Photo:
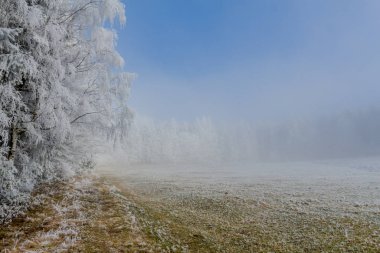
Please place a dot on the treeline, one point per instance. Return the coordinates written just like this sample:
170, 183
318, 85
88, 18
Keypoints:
149, 141
349, 134
61, 89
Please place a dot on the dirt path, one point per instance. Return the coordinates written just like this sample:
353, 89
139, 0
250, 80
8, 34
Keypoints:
85, 215
111, 215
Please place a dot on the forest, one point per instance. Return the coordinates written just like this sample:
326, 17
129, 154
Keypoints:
62, 89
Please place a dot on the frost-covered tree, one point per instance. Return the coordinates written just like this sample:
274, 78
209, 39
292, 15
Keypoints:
150, 141
59, 88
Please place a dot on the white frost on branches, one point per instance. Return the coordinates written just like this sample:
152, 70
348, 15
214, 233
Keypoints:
61, 88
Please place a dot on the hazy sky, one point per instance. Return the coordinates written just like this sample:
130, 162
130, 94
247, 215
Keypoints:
247, 59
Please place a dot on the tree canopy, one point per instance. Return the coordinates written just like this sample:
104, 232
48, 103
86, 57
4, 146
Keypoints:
62, 86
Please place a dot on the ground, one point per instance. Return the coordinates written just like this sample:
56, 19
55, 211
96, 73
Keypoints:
148, 209
85, 215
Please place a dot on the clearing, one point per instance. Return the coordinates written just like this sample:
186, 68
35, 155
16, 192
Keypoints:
323, 206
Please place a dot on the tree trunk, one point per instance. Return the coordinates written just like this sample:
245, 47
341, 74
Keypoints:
12, 142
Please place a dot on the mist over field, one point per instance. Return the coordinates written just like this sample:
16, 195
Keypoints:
189, 126
338, 136
252, 81
296, 185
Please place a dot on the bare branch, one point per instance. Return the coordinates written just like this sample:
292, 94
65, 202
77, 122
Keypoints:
83, 115
84, 7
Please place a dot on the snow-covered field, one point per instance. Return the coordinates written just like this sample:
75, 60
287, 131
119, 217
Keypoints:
296, 206
320, 206
345, 181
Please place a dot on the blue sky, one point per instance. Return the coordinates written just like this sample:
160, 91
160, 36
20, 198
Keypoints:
251, 60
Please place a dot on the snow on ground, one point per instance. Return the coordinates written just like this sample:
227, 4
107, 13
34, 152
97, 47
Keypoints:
321, 206
52, 222
85, 214
318, 206
349, 181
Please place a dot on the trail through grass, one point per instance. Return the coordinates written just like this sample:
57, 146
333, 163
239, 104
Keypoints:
91, 214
